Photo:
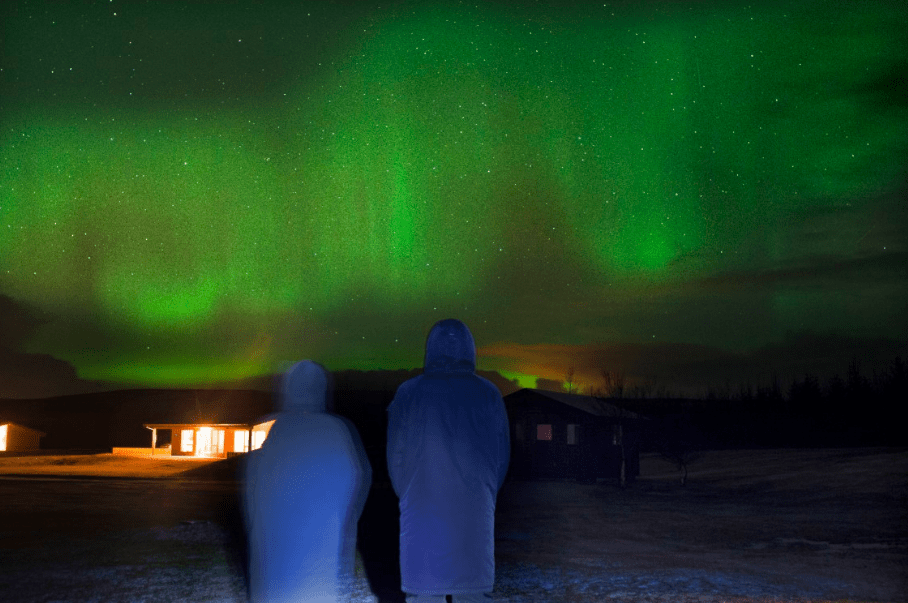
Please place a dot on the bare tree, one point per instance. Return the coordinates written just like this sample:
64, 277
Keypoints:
679, 441
613, 383
642, 389
594, 392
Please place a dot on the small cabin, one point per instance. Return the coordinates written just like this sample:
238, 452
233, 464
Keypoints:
561, 435
18, 438
210, 440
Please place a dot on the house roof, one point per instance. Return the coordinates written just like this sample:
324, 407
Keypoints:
599, 407
248, 425
201, 424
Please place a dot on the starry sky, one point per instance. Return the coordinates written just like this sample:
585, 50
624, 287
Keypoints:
690, 194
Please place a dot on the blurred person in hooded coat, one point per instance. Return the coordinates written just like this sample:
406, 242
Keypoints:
448, 453
305, 490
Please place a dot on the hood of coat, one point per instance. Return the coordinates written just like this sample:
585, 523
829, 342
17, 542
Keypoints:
450, 348
306, 386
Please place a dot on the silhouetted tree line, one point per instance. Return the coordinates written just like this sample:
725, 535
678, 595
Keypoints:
854, 410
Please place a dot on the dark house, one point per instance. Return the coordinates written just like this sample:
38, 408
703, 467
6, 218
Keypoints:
558, 435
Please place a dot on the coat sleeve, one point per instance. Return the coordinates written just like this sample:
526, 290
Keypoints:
358, 452
504, 442
248, 477
396, 442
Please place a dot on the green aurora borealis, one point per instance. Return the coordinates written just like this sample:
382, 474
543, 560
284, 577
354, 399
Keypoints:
193, 193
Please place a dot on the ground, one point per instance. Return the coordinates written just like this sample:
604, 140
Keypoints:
770, 525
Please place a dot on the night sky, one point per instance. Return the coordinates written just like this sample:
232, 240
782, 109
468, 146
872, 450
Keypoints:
689, 193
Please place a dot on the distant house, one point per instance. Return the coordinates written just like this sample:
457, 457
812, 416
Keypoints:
557, 435
210, 439
16, 438
196, 423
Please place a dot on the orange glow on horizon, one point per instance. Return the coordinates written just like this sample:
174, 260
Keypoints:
533, 361
587, 361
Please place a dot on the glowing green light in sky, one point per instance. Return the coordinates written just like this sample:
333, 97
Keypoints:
489, 163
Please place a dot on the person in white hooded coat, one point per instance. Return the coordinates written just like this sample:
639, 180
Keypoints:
448, 453
304, 491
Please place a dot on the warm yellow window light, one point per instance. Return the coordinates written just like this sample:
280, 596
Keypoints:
203, 441
186, 437
241, 440
3, 430
259, 433
209, 441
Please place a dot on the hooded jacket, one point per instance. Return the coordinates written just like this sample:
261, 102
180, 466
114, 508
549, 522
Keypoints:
304, 491
448, 452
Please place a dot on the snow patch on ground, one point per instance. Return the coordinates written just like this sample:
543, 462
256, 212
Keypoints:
759, 526
526, 583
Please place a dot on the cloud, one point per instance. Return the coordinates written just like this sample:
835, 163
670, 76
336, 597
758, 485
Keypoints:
883, 267
25, 375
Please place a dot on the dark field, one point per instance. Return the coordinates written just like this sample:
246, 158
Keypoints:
772, 525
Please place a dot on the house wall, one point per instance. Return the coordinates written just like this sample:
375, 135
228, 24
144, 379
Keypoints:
19, 438
531, 457
230, 444
237, 438
595, 455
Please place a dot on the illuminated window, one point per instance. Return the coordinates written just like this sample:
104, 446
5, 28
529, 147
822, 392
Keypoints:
571, 433
241, 440
186, 440
544, 431
259, 433
220, 433
3, 429
203, 442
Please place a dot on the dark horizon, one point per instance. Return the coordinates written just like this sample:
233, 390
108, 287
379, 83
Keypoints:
844, 412
855, 382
